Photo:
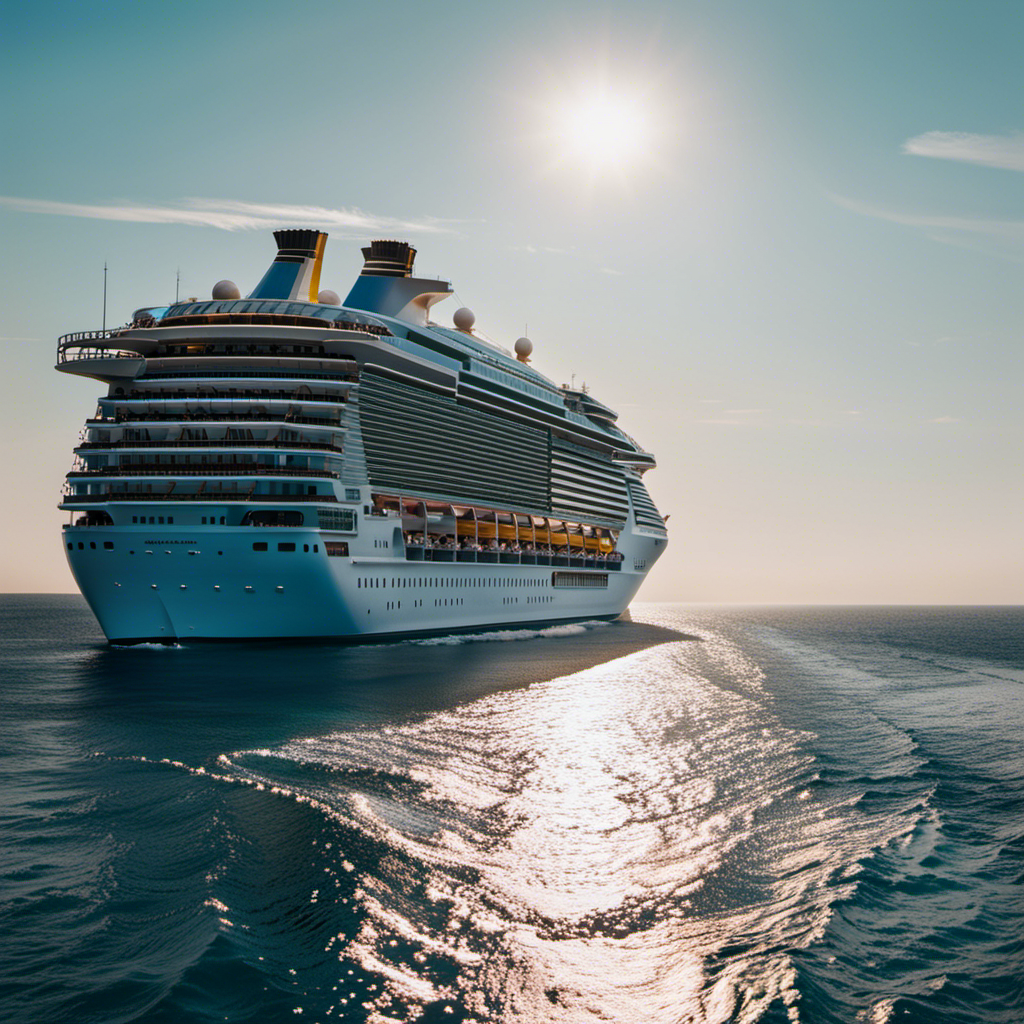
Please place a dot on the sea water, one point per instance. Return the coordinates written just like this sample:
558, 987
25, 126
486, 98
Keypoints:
702, 815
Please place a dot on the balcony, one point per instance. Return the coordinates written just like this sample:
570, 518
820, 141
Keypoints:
88, 446
211, 394
218, 469
130, 416
430, 553
93, 354
72, 501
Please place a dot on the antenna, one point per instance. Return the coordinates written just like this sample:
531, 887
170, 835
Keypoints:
104, 296
177, 286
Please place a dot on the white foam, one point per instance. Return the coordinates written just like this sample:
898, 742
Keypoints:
507, 635
148, 647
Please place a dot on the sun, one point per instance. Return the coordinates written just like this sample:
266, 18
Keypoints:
603, 129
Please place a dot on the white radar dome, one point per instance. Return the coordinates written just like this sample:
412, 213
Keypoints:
464, 319
524, 348
329, 298
226, 290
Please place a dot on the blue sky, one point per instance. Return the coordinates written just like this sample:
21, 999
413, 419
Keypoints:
804, 294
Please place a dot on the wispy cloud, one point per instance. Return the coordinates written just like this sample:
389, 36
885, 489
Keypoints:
1003, 238
1012, 230
229, 215
1005, 151
533, 250
945, 419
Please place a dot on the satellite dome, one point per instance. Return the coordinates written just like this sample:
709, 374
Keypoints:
523, 347
464, 319
226, 290
329, 298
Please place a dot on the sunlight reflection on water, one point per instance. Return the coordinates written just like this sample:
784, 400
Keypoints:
590, 846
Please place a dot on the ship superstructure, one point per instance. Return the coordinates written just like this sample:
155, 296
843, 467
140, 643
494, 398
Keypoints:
287, 465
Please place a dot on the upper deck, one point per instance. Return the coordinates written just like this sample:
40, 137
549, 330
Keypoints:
268, 336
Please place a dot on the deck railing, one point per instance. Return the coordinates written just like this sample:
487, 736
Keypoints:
78, 354
233, 442
72, 500
226, 469
203, 417
253, 395
423, 553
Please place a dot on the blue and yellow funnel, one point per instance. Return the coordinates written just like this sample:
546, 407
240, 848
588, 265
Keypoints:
295, 272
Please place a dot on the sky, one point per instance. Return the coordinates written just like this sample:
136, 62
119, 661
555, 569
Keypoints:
785, 241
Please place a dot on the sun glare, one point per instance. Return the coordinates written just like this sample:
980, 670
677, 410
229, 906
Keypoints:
603, 130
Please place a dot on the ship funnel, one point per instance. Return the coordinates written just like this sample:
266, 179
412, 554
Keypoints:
295, 272
383, 258
385, 284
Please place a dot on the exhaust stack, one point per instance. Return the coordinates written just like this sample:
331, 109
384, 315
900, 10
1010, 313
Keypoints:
386, 285
295, 272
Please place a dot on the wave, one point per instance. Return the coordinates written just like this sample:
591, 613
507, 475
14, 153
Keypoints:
507, 635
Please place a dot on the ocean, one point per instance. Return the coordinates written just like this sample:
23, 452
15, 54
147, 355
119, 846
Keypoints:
701, 815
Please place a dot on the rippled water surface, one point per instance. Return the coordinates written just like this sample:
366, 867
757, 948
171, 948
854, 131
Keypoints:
703, 815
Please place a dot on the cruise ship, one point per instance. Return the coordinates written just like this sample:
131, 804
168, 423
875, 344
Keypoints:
291, 466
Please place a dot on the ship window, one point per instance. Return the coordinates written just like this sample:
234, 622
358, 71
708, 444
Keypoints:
316, 547
108, 545
286, 546
259, 545
161, 519
81, 546
170, 519
221, 520
337, 519
92, 544
305, 547
152, 519
204, 520
71, 547
135, 519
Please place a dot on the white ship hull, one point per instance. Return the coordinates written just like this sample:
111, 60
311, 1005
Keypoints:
178, 585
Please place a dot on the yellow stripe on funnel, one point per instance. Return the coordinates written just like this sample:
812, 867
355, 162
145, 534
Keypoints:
318, 259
